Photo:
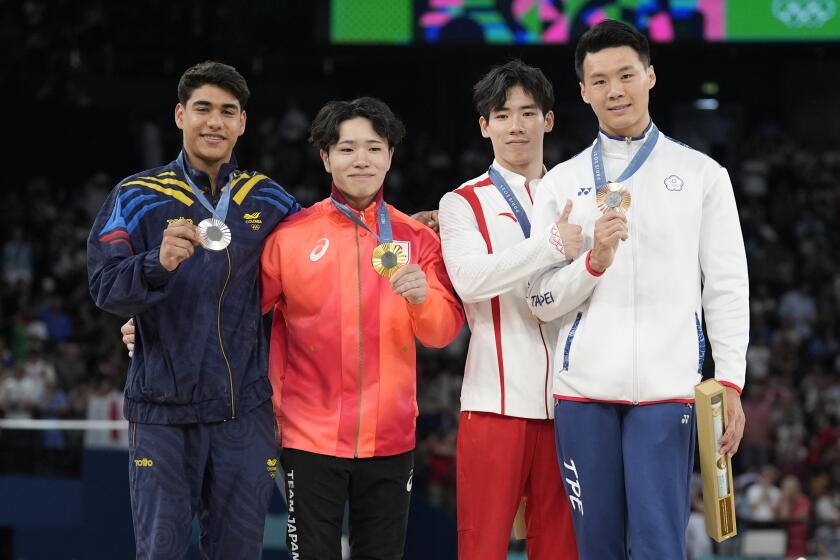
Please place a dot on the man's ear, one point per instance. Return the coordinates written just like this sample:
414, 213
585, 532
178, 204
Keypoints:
583, 93
179, 116
482, 124
325, 157
549, 121
651, 76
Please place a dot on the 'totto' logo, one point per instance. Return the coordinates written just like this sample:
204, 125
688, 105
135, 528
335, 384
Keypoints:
320, 249
674, 183
144, 462
271, 467
253, 220
173, 220
583, 191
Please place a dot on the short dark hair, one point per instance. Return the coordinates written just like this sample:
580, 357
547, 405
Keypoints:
324, 131
491, 91
608, 34
216, 74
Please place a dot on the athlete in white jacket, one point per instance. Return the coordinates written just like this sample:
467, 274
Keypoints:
631, 308
506, 444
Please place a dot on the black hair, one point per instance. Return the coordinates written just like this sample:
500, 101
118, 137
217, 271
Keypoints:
608, 34
213, 73
324, 131
491, 91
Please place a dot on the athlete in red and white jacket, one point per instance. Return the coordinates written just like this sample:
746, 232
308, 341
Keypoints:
506, 445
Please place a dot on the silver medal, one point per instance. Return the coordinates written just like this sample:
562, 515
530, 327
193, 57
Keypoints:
215, 234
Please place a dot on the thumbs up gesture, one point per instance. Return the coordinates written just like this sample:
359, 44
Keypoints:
566, 237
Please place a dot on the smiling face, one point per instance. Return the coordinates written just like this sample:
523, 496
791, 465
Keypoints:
517, 130
617, 85
212, 121
358, 161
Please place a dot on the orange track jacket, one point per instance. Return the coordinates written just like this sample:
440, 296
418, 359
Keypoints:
342, 360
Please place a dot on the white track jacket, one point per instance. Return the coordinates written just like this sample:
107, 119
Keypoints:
633, 335
489, 262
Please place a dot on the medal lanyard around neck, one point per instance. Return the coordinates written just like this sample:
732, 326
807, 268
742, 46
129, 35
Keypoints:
513, 202
636, 163
385, 235
221, 209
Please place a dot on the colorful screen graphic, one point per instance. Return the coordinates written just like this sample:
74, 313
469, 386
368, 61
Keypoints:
562, 21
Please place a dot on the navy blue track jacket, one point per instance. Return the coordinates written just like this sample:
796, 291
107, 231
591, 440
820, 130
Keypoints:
200, 354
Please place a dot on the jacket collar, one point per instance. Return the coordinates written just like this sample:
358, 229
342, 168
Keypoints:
202, 180
369, 212
606, 136
513, 178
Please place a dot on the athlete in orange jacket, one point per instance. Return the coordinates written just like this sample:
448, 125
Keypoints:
342, 359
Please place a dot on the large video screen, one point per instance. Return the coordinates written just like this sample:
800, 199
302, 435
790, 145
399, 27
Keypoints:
562, 21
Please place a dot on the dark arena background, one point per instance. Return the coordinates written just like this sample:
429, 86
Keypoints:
88, 92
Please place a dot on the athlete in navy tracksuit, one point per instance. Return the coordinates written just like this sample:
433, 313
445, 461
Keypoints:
202, 433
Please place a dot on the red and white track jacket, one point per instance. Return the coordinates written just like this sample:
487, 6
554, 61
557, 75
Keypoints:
489, 262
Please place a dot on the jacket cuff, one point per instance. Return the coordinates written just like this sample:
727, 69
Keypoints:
590, 269
730, 385
156, 276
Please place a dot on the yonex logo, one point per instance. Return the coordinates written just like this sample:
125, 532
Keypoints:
410, 480
583, 191
320, 249
685, 418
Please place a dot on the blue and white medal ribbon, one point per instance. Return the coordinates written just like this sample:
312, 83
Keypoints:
388, 257
521, 217
613, 195
215, 234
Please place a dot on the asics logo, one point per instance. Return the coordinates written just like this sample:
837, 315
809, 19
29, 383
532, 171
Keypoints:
320, 249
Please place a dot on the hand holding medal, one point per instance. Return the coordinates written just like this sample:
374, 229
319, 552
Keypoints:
179, 242
410, 282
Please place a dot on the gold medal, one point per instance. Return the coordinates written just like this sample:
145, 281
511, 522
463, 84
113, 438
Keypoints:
613, 196
388, 258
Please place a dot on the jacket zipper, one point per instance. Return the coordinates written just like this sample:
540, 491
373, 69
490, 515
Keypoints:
633, 291
547, 371
221, 341
359, 276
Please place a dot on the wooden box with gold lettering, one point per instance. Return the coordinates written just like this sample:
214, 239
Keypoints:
715, 469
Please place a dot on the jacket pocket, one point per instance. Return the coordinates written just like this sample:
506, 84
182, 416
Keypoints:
567, 349
701, 343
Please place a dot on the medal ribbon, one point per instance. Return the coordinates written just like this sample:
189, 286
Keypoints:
385, 235
221, 209
513, 202
637, 161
